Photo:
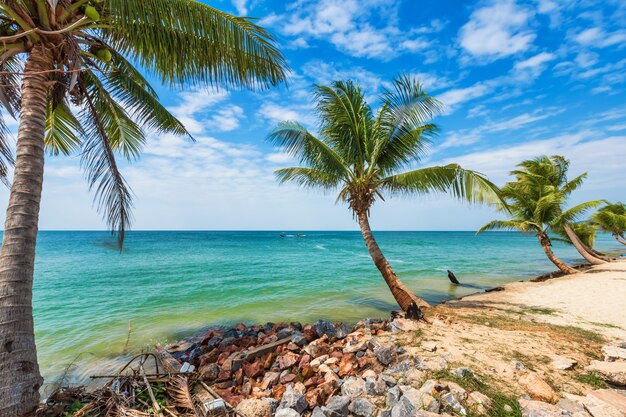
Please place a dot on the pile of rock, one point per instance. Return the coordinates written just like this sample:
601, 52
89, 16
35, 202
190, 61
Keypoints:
613, 367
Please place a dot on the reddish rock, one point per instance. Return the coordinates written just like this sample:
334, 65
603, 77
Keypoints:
327, 388
292, 347
253, 370
224, 375
336, 354
222, 357
278, 391
347, 365
299, 387
267, 360
287, 360
246, 389
269, 380
238, 377
240, 326
287, 378
311, 382
315, 398
305, 360
209, 372
309, 332
307, 372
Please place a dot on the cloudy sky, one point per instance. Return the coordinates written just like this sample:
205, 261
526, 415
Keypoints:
518, 78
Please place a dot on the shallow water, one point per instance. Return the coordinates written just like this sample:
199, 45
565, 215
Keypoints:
170, 284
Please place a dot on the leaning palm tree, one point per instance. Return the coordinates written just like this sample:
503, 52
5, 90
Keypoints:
363, 155
612, 219
68, 69
535, 204
586, 234
552, 172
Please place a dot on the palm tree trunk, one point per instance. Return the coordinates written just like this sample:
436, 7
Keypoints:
595, 253
616, 236
546, 244
20, 379
573, 237
403, 295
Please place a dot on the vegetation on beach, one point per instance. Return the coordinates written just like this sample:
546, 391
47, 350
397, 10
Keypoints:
67, 69
612, 219
535, 202
364, 155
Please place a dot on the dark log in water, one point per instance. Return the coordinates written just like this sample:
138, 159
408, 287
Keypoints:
452, 278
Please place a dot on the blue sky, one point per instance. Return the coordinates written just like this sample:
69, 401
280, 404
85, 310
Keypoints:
518, 78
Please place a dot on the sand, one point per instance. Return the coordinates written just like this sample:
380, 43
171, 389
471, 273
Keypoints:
595, 299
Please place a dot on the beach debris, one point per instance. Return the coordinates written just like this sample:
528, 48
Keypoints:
453, 278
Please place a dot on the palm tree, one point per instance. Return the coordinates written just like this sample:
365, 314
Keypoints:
362, 155
535, 203
67, 67
612, 219
586, 234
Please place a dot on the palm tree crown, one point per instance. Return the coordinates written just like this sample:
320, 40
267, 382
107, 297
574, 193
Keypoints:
99, 104
611, 219
363, 155
536, 199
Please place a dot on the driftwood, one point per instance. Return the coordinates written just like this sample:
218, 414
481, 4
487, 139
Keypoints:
452, 278
257, 352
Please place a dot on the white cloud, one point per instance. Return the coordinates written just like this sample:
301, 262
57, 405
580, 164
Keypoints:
276, 113
279, 158
194, 111
597, 37
535, 61
349, 26
241, 6
497, 30
456, 96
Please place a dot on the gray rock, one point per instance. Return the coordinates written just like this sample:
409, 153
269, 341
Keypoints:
389, 380
450, 400
401, 367
614, 353
393, 396
272, 402
294, 400
342, 330
317, 412
353, 387
324, 327
299, 339
362, 408
419, 400
375, 386
385, 353
286, 412
385, 413
337, 406
286, 332
463, 372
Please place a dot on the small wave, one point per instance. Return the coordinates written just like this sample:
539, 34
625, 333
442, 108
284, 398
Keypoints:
320, 247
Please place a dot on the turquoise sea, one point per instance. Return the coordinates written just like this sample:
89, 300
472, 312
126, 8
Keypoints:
168, 285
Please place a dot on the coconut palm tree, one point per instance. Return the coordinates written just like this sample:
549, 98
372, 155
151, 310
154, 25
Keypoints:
586, 234
69, 69
552, 172
612, 219
364, 155
535, 203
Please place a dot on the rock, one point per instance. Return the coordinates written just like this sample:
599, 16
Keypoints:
450, 400
299, 339
614, 372
463, 372
254, 408
571, 406
315, 398
287, 360
253, 370
611, 397
342, 330
283, 333
429, 346
317, 412
375, 386
393, 396
562, 363
401, 325
269, 380
479, 402
347, 365
389, 380
413, 377
362, 408
538, 409
385, 353
614, 353
293, 399
337, 406
323, 327
286, 412
353, 387
318, 347
419, 400
209, 372
458, 391
537, 388
356, 346
368, 374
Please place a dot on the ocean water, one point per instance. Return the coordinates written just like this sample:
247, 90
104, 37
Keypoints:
168, 285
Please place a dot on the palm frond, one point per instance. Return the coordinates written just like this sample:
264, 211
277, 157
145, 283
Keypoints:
307, 177
180, 392
512, 225
298, 142
463, 184
62, 130
573, 214
188, 42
